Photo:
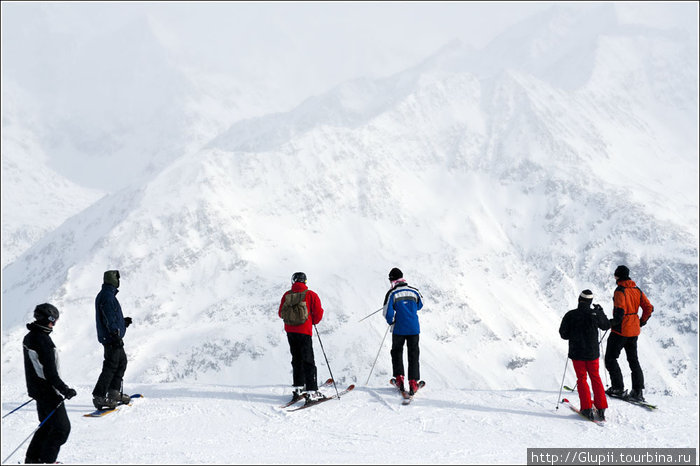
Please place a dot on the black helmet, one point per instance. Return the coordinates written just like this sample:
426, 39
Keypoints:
45, 313
395, 274
299, 277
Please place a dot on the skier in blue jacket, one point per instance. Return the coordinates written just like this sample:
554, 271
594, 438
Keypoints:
111, 328
401, 306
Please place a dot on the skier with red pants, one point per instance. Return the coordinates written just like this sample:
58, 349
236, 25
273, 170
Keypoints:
580, 326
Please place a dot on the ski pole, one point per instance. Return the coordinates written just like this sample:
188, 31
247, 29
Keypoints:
329, 366
380, 350
605, 370
371, 314
38, 427
18, 407
562, 381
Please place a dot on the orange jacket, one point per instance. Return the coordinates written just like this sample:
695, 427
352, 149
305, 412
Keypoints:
627, 300
313, 304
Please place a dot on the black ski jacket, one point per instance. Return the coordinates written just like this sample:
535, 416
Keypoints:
580, 326
41, 365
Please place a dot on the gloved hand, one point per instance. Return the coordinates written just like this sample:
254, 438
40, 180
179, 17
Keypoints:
642, 323
115, 339
69, 393
127, 321
597, 307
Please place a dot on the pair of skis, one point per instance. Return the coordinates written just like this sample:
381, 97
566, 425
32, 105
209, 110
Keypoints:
308, 403
407, 397
103, 412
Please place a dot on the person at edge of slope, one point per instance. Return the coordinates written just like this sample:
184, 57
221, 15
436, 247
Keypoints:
45, 385
301, 309
111, 328
624, 333
580, 326
401, 306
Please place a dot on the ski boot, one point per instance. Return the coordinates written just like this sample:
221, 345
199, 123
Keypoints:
118, 398
616, 392
636, 395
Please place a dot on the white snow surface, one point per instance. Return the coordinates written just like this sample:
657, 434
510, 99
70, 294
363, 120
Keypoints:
231, 423
502, 181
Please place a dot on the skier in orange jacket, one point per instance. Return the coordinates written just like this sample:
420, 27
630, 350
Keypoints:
625, 330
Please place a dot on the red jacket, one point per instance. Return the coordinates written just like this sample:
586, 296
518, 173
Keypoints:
627, 300
313, 304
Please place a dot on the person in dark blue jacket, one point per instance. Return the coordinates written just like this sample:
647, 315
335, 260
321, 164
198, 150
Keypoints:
45, 385
111, 328
401, 306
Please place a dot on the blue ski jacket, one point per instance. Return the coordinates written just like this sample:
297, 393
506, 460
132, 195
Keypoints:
401, 306
108, 314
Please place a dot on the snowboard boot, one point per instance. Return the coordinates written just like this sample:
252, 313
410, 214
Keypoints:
588, 413
101, 402
636, 395
119, 398
399, 383
618, 392
412, 387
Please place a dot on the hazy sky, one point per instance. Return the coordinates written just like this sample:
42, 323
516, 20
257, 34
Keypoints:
341, 40
336, 40
68, 62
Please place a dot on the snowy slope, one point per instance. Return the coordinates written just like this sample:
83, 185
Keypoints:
241, 424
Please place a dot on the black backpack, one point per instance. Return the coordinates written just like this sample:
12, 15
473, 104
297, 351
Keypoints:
294, 311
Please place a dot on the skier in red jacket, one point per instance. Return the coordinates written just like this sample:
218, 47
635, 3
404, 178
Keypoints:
299, 337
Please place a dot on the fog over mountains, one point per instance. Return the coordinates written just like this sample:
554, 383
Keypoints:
502, 181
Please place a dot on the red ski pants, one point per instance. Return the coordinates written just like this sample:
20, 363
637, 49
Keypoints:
584, 392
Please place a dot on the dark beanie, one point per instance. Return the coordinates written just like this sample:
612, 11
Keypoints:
622, 272
395, 274
586, 295
111, 277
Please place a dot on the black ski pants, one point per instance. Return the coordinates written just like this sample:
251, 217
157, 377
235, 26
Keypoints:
613, 349
397, 342
303, 364
113, 369
47, 441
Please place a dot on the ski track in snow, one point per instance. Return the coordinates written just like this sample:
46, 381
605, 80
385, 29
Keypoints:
199, 424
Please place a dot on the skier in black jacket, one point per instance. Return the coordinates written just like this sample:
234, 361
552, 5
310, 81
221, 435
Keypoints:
580, 326
44, 384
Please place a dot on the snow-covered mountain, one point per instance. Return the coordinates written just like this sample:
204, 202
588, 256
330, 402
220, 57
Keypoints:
93, 115
35, 199
501, 181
